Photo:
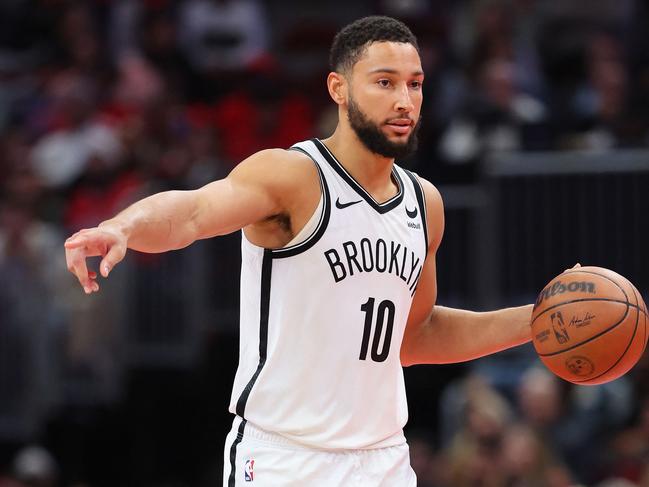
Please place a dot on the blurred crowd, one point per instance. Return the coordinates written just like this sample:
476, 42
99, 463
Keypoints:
543, 432
105, 101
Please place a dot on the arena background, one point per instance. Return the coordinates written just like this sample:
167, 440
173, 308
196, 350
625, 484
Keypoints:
535, 129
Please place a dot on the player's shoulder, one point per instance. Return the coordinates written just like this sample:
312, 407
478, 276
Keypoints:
280, 163
277, 165
431, 194
284, 157
434, 211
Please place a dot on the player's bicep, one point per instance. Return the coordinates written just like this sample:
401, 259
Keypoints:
249, 194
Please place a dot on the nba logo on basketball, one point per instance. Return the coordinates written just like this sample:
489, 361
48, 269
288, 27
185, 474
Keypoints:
248, 471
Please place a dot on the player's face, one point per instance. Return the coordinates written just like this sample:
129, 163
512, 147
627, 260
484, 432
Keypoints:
385, 98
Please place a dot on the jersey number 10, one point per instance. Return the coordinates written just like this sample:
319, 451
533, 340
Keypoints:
384, 307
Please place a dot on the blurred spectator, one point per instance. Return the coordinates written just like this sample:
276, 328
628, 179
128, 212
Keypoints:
31, 310
270, 113
207, 164
573, 421
159, 43
497, 117
221, 39
59, 158
100, 192
487, 30
14, 157
160, 123
223, 34
137, 82
144, 37
474, 455
630, 449
24, 237
427, 463
617, 482
34, 466
602, 102
527, 461
81, 47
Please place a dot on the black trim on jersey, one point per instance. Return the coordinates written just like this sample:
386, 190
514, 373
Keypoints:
232, 479
421, 200
322, 224
266, 270
349, 179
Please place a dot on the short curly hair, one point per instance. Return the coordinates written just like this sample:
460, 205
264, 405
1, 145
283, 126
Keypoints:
351, 41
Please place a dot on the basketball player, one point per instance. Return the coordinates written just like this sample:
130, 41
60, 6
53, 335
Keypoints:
337, 240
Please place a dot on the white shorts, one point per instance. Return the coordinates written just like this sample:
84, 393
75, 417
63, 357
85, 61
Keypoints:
256, 458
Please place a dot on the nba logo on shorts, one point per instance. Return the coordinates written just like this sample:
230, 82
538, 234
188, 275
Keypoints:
248, 471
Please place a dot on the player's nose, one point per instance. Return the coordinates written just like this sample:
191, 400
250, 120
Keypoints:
404, 101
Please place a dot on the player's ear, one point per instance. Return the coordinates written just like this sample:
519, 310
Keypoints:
337, 85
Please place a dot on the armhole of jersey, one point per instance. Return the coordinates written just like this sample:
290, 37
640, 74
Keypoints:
421, 201
308, 242
309, 227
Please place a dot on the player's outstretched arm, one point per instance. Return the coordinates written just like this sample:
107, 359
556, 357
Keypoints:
255, 190
436, 334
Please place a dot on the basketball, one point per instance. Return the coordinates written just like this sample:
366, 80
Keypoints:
589, 325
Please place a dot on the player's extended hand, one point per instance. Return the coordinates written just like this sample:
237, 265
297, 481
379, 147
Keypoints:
104, 241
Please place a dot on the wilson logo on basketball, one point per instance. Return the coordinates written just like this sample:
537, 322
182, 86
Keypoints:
559, 288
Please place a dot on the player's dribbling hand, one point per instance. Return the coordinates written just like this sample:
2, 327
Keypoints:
104, 241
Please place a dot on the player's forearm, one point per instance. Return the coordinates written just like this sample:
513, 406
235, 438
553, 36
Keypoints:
453, 335
158, 223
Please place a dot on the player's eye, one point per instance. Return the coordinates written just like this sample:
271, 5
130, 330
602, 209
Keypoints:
415, 84
384, 83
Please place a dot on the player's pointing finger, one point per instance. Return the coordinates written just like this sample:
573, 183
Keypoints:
76, 241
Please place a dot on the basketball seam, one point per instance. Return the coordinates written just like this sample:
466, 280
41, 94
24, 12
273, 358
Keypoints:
644, 347
628, 304
626, 313
644, 323
635, 330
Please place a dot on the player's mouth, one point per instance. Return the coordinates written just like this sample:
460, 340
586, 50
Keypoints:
401, 126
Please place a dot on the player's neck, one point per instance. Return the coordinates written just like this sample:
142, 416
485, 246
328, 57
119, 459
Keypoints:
371, 170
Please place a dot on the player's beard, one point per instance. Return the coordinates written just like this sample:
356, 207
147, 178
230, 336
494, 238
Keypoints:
374, 139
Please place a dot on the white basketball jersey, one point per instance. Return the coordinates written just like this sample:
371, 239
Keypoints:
322, 320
